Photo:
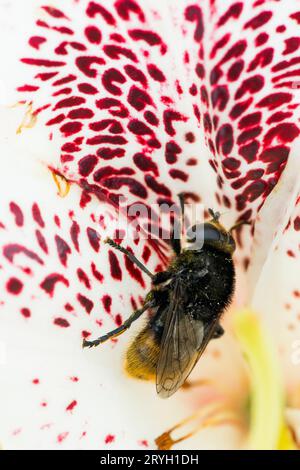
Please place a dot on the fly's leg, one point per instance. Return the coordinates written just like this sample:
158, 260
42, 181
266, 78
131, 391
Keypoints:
129, 255
121, 329
177, 228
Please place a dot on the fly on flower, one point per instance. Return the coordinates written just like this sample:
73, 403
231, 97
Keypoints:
186, 303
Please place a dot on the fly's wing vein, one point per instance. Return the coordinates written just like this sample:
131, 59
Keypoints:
184, 339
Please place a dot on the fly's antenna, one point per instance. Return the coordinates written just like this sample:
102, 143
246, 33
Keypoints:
215, 215
239, 224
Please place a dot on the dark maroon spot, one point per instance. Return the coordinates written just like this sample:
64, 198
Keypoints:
97, 275
220, 44
250, 120
69, 78
63, 249
276, 157
74, 232
274, 100
286, 64
138, 98
95, 8
291, 45
249, 151
114, 126
215, 75
156, 73
231, 163
250, 85
149, 37
118, 320
111, 76
68, 307
233, 11
135, 74
145, 163
239, 108
71, 405
193, 13
114, 52
71, 128
17, 213
26, 313
259, 20
86, 303
178, 175
81, 113
125, 7
41, 241
28, 88
69, 102
85, 199
63, 91
224, 139
82, 276
135, 187
262, 59
106, 139
169, 116
56, 120
45, 76
84, 63
157, 187
261, 39
296, 16
115, 269
93, 34
200, 71
207, 124
138, 127
9, 251
107, 171
87, 89
191, 162
109, 439
49, 283
14, 286
297, 224
235, 51
193, 90
43, 62
190, 137
54, 12
87, 164
70, 147
249, 134
151, 118
37, 216
284, 132
279, 116
108, 153
62, 322
36, 41
220, 97
107, 301
235, 70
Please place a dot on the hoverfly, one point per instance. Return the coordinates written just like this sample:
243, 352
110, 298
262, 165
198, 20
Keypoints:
186, 302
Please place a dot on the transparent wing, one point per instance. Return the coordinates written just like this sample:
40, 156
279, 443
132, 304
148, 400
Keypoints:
184, 340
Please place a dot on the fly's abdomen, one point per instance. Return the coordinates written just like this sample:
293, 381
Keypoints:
142, 355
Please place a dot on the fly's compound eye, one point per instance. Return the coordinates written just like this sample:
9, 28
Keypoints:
203, 233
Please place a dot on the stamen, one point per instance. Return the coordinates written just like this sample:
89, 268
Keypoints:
207, 417
62, 184
28, 121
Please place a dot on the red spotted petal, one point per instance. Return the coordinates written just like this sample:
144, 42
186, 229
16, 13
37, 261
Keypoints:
132, 106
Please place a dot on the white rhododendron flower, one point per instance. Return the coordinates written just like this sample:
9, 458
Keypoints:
136, 101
